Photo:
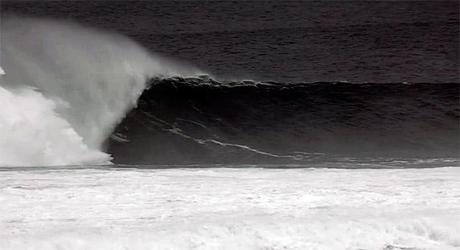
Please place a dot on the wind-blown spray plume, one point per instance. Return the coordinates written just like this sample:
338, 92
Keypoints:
66, 88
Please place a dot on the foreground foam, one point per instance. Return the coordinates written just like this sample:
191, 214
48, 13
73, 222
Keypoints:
230, 209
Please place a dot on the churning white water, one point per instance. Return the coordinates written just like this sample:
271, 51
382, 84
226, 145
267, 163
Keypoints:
65, 88
322, 209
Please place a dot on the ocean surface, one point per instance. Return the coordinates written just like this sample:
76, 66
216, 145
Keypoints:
284, 41
283, 81
229, 125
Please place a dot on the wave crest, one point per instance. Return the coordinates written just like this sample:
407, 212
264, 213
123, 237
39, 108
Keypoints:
84, 81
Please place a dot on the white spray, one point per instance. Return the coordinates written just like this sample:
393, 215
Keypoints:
65, 89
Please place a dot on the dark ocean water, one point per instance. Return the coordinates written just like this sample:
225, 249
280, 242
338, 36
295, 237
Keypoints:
200, 120
341, 79
284, 41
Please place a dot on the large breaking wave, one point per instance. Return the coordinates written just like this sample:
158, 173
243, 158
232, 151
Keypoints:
65, 88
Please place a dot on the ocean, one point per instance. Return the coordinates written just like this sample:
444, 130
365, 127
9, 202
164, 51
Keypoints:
283, 41
229, 125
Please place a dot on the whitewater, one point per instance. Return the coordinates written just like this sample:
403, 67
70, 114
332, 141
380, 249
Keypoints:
227, 208
64, 89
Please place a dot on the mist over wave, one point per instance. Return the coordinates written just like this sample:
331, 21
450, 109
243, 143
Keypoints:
66, 87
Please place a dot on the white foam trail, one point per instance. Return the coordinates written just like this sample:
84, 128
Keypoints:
85, 80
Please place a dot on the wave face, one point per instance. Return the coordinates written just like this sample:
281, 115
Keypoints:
65, 88
200, 120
